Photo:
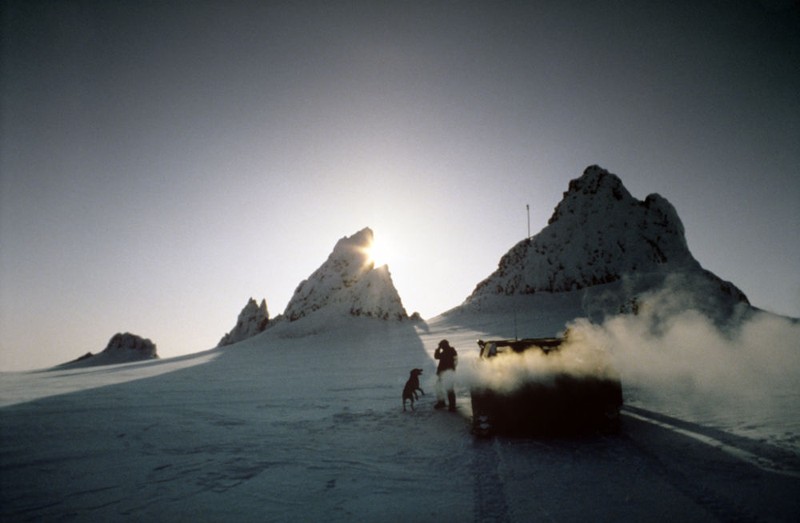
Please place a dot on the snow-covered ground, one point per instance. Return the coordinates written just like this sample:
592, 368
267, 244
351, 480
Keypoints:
304, 422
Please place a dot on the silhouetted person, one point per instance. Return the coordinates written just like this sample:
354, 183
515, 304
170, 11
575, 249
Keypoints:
448, 359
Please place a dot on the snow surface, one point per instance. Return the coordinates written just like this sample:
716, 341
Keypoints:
304, 422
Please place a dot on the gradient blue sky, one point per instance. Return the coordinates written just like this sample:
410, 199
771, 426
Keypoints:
161, 162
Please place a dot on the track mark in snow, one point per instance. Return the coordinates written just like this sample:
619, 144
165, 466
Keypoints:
680, 473
761, 462
489, 496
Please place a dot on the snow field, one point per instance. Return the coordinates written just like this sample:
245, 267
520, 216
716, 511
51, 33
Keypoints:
288, 427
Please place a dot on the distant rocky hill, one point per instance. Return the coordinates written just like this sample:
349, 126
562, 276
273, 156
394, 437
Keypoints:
253, 319
348, 283
600, 234
121, 348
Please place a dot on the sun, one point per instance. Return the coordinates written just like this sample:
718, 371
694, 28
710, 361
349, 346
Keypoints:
378, 253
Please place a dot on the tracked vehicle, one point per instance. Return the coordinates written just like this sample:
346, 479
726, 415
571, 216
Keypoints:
543, 387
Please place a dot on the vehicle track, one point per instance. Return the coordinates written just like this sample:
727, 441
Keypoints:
489, 490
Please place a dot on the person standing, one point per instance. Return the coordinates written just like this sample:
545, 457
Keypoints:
448, 359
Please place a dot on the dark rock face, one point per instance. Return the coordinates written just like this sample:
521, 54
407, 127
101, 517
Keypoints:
130, 345
121, 348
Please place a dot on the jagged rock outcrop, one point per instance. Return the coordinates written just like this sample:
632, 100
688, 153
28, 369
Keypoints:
600, 234
121, 348
253, 319
131, 346
348, 283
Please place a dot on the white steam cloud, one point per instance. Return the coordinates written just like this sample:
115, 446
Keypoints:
678, 360
688, 348
507, 373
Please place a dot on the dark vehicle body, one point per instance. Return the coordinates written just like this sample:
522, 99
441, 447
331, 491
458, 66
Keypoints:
557, 401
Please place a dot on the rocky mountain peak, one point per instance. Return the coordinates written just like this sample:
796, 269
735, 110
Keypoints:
121, 348
347, 282
253, 319
598, 233
595, 184
131, 344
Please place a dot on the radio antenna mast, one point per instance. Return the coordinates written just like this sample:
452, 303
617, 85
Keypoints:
528, 208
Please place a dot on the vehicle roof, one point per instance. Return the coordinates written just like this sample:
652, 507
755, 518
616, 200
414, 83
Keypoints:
519, 345
541, 342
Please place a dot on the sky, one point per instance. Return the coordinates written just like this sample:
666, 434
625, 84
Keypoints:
162, 162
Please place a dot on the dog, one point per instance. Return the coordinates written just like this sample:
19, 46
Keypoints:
411, 388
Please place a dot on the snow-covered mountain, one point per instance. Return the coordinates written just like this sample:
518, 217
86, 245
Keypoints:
121, 348
599, 234
348, 283
252, 320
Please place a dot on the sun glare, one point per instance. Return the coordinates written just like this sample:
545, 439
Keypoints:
377, 253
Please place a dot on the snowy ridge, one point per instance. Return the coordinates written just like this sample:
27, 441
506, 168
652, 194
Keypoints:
252, 320
600, 234
348, 283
